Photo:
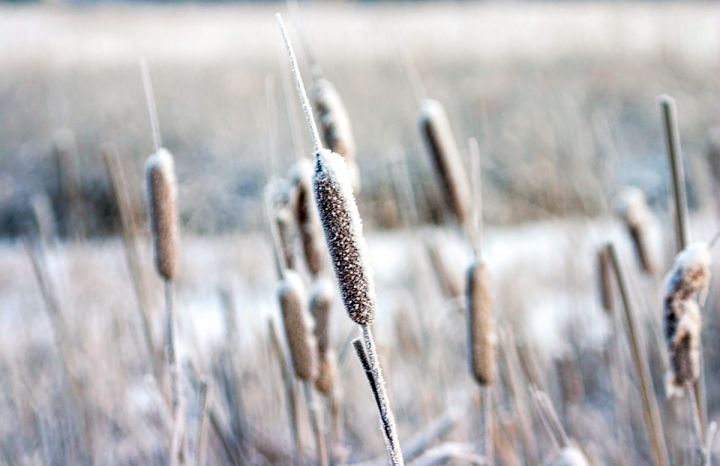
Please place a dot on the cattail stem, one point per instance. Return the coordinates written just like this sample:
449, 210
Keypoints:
289, 387
304, 101
317, 424
150, 100
369, 361
672, 143
699, 455
486, 423
651, 413
176, 445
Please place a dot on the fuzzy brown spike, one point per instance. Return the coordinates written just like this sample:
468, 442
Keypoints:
481, 325
298, 328
343, 234
283, 217
440, 143
688, 279
306, 216
162, 211
632, 208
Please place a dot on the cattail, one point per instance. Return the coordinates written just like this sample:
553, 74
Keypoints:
688, 279
636, 215
335, 125
321, 298
604, 269
570, 456
343, 234
298, 328
481, 325
440, 143
280, 196
325, 382
162, 210
306, 215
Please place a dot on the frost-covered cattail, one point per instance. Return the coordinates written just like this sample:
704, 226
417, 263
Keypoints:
569, 456
306, 215
440, 143
298, 328
481, 325
687, 281
162, 210
279, 193
335, 125
343, 233
633, 209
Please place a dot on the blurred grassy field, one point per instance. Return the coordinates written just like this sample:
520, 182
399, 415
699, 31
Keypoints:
562, 97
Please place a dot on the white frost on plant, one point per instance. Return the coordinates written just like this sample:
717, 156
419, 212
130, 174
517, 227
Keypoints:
690, 273
631, 205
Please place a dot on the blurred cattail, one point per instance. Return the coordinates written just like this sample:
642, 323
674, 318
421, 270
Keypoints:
279, 193
321, 295
335, 125
298, 328
604, 270
713, 154
343, 234
325, 382
440, 143
633, 210
306, 215
162, 210
450, 282
688, 279
481, 325
569, 456
67, 162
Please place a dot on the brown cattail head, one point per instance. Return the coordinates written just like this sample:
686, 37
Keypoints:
687, 281
162, 210
633, 210
306, 217
440, 143
321, 300
604, 269
325, 382
298, 328
343, 233
280, 196
335, 125
481, 324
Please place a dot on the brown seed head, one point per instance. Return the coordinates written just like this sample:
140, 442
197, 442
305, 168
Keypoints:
306, 216
343, 233
162, 211
440, 143
633, 210
321, 300
298, 328
481, 324
334, 120
280, 194
328, 372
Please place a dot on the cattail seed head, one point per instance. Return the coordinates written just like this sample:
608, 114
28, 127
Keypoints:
325, 382
632, 208
306, 216
280, 195
298, 328
335, 125
440, 143
321, 300
481, 324
343, 233
687, 281
162, 211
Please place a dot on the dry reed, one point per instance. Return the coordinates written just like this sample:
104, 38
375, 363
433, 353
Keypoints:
446, 159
